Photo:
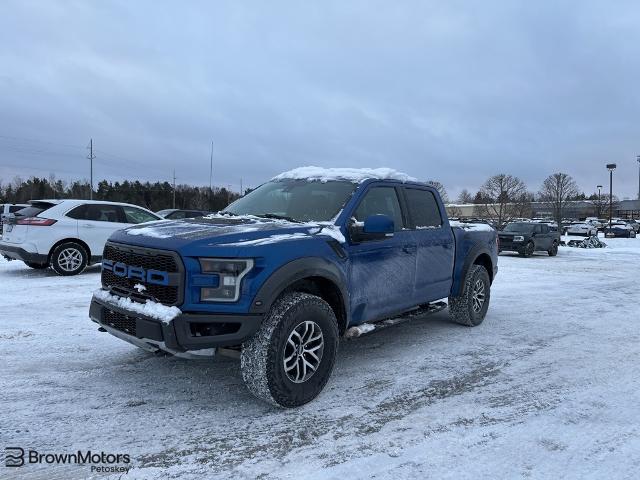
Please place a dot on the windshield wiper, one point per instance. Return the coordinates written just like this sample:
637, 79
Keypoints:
278, 217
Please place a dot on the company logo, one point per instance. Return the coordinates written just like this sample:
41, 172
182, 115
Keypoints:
13, 457
153, 277
98, 462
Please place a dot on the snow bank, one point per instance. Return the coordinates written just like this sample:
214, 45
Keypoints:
355, 175
473, 227
150, 308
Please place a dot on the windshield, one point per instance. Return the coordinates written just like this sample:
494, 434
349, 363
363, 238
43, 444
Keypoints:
297, 200
519, 227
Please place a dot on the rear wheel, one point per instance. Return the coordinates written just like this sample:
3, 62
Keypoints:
470, 307
37, 266
69, 258
290, 358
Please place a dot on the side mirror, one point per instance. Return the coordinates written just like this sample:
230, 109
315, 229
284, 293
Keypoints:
374, 227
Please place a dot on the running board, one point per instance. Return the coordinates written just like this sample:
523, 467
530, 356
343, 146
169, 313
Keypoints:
422, 310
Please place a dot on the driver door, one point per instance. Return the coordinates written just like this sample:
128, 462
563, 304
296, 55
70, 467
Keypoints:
382, 272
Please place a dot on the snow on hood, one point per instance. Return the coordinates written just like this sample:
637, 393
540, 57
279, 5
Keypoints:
236, 230
355, 175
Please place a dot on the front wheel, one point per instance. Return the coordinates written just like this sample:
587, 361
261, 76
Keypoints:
553, 251
527, 250
289, 359
470, 307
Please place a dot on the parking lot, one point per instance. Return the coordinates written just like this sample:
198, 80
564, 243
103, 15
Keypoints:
547, 386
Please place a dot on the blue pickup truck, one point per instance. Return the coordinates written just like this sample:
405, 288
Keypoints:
281, 274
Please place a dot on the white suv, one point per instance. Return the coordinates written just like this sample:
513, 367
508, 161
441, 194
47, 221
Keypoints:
67, 235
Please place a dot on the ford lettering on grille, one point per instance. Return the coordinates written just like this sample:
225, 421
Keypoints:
150, 276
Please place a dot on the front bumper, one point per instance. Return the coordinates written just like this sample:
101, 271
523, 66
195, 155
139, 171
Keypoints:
18, 253
187, 333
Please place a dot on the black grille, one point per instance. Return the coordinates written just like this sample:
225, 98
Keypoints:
164, 263
120, 322
165, 294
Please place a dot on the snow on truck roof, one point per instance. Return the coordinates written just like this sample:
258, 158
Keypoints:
355, 175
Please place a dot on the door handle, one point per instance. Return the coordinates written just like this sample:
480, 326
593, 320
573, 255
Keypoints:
88, 225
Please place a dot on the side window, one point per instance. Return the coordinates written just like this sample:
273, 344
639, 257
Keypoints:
545, 228
176, 215
423, 208
136, 215
381, 200
538, 229
102, 213
14, 208
78, 213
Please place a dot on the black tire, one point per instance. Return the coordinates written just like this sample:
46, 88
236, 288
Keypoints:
553, 251
69, 258
463, 309
37, 266
528, 250
263, 356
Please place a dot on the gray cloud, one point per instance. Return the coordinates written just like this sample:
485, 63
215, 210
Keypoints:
455, 91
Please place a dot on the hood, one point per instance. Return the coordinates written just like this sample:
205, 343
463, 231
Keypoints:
222, 230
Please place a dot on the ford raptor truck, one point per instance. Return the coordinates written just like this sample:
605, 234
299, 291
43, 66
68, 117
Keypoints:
278, 276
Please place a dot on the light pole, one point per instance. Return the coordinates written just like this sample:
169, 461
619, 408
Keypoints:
638, 158
599, 187
611, 167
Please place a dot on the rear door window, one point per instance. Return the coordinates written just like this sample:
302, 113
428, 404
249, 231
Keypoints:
103, 213
423, 208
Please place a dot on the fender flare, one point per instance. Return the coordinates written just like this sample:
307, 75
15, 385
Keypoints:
294, 271
475, 252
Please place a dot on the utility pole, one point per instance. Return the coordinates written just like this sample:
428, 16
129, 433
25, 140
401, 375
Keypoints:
91, 157
638, 158
242, 191
611, 167
210, 175
174, 188
599, 201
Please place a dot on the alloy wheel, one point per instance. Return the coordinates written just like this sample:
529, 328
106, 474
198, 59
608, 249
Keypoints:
303, 351
70, 259
478, 295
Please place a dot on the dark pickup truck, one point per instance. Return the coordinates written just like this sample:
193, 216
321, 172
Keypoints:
529, 237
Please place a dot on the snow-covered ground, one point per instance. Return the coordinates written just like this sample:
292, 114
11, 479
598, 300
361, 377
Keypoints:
547, 387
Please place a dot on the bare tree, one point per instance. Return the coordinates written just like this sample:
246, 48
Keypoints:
556, 191
500, 199
440, 188
465, 197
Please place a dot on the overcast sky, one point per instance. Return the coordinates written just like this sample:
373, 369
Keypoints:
453, 91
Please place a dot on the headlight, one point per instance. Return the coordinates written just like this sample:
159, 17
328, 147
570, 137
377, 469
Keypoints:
518, 238
230, 273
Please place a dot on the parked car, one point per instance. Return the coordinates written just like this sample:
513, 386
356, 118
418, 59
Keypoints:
620, 229
67, 235
582, 229
177, 214
7, 208
527, 238
633, 224
282, 272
